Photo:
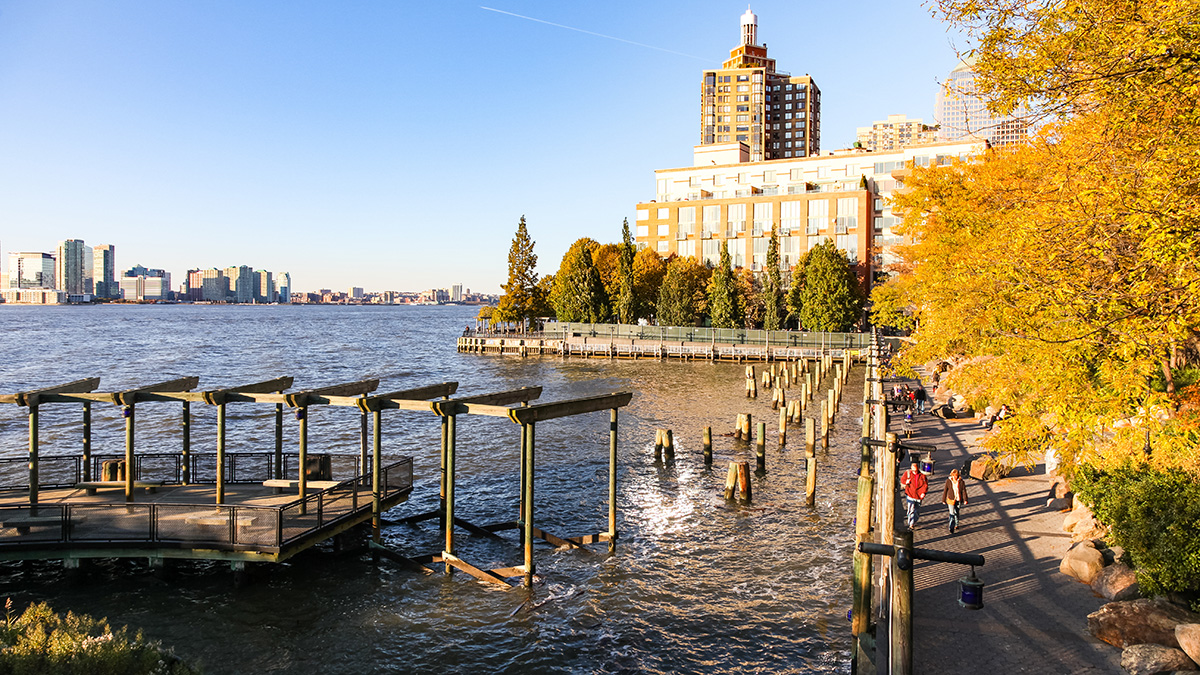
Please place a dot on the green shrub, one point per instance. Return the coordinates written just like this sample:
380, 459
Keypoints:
1155, 517
41, 641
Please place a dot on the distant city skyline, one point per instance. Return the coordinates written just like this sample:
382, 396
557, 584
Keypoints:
319, 138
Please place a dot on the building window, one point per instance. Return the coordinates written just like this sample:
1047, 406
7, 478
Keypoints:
694, 181
662, 246
687, 219
762, 217
847, 214
664, 214
712, 220
643, 214
818, 215
664, 229
643, 231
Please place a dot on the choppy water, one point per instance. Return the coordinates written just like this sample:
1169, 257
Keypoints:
696, 585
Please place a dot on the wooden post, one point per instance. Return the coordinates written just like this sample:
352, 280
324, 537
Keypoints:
824, 425
761, 451
658, 446
747, 425
279, 440
901, 611
808, 385
450, 470
185, 451
33, 455
783, 415
445, 474
364, 443
529, 473
864, 468
887, 494
220, 453
376, 479
128, 412
731, 481
810, 457
707, 446
521, 490
832, 409
87, 441
612, 481
743, 478
860, 615
302, 479
669, 444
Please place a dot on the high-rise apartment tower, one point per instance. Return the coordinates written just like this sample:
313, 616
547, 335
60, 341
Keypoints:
73, 270
963, 114
747, 101
104, 271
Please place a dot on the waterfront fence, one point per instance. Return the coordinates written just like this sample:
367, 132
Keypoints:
556, 330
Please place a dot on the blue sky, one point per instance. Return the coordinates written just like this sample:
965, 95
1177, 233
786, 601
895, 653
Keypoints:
393, 145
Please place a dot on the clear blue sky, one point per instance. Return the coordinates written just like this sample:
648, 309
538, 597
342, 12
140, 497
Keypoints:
393, 145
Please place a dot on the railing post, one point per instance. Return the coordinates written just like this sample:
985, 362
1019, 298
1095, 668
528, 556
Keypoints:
278, 441
87, 441
185, 453
221, 453
33, 456
612, 481
529, 479
376, 497
900, 619
302, 478
129, 425
449, 503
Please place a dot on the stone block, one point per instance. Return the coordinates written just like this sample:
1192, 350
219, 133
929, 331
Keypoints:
1154, 659
1134, 622
1083, 563
1116, 582
1188, 637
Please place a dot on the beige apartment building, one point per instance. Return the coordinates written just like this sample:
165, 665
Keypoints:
895, 132
843, 197
747, 100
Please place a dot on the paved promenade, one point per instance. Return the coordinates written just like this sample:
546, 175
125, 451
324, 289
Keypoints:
1034, 619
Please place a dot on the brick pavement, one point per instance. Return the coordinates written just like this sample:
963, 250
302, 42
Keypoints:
1034, 619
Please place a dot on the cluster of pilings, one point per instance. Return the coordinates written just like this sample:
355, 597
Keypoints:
804, 378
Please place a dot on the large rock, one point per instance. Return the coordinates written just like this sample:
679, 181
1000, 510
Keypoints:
1116, 582
1152, 659
1082, 562
1188, 637
1088, 528
1141, 621
1078, 513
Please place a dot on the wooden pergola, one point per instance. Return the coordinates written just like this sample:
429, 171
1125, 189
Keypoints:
435, 399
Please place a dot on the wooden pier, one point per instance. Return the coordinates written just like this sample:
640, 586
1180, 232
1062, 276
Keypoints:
641, 349
260, 507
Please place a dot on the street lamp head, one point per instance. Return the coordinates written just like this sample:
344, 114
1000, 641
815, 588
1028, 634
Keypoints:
970, 591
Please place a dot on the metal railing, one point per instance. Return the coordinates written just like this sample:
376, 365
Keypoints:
554, 330
221, 526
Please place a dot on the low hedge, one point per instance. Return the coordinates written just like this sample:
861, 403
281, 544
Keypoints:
1155, 516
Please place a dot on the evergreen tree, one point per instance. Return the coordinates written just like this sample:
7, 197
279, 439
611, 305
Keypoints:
681, 295
772, 295
829, 299
723, 295
578, 294
648, 271
795, 301
521, 294
626, 309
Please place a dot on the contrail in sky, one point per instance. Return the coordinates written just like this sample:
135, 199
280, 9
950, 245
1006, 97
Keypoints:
580, 30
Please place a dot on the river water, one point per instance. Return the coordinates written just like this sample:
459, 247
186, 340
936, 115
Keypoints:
696, 585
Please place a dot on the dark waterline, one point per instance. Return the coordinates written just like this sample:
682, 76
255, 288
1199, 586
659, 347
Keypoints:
696, 585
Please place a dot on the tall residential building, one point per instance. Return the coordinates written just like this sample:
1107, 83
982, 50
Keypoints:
896, 132
73, 267
212, 283
285, 287
356, 292
30, 270
747, 101
142, 284
241, 283
104, 271
456, 294
961, 113
264, 286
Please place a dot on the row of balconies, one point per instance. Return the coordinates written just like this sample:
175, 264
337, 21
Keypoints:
736, 228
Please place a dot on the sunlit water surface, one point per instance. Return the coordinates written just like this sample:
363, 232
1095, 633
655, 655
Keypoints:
696, 585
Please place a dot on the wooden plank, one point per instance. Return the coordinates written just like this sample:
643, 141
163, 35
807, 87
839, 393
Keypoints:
578, 406
27, 398
285, 483
482, 575
220, 396
475, 529
396, 557
517, 571
315, 396
552, 539
130, 396
521, 395
380, 401
591, 538
484, 409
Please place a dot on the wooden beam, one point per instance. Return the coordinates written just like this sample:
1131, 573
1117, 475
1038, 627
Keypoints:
29, 398
317, 396
397, 557
482, 575
221, 396
131, 396
578, 406
521, 395
555, 540
380, 401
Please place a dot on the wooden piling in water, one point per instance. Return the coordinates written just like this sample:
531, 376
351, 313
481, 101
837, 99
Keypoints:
860, 614
760, 452
783, 419
810, 456
737, 482
824, 425
669, 444
901, 611
707, 446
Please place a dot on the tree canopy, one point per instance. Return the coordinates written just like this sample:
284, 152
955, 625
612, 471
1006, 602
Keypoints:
625, 306
681, 298
772, 287
723, 306
521, 299
827, 292
578, 293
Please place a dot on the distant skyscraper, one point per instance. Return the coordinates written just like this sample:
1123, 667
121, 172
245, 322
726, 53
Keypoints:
748, 101
214, 285
896, 132
961, 113
73, 267
356, 292
456, 294
104, 271
241, 283
285, 287
30, 270
264, 286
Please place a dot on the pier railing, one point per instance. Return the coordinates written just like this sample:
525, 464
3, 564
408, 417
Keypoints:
554, 330
223, 526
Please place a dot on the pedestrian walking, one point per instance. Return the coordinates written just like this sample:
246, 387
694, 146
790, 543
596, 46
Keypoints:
919, 398
954, 495
915, 486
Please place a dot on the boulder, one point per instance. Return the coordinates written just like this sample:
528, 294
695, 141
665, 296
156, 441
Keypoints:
1114, 554
1083, 563
1188, 637
1116, 582
1078, 512
1152, 659
1141, 621
1089, 528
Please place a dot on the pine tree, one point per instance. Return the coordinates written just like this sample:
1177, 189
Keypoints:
578, 294
521, 294
829, 298
795, 292
681, 296
772, 295
722, 294
626, 309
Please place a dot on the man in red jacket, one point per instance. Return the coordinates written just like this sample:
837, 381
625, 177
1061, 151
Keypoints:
915, 487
